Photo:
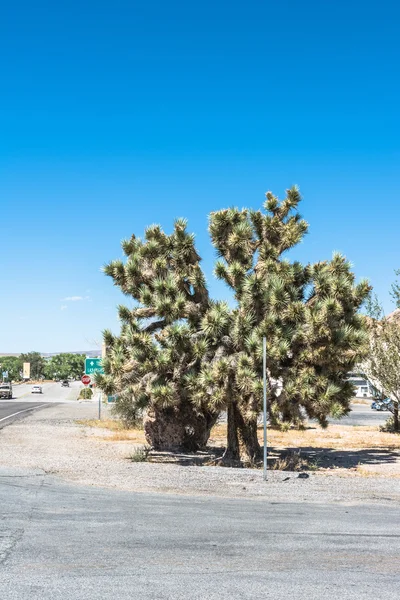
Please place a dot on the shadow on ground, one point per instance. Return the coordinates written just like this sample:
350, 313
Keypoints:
188, 459
329, 458
312, 458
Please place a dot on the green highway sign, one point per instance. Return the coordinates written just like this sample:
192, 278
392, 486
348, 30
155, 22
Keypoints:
93, 365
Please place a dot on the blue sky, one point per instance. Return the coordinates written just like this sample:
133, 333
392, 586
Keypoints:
116, 115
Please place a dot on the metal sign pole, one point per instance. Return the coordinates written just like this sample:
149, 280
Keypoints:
265, 405
103, 355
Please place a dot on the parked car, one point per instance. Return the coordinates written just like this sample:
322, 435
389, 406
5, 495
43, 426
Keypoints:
380, 405
37, 389
65, 383
388, 404
6, 391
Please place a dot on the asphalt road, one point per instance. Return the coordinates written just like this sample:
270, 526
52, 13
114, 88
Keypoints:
24, 401
59, 541
11, 409
52, 392
362, 414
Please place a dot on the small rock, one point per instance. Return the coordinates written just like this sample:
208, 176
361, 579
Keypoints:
303, 476
244, 487
286, 479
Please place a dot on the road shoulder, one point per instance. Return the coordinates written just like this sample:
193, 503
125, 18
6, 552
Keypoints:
51, 441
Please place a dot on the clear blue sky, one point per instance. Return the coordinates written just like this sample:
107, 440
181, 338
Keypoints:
115, 115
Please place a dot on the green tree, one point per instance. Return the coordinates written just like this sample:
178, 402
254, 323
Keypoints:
12, 364
64, 366
37, 363
382, 365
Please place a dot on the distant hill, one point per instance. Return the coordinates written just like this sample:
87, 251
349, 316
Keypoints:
89, 353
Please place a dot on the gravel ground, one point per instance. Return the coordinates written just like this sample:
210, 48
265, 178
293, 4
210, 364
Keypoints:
50, 441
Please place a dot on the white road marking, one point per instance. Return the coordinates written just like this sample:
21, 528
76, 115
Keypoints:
21, 411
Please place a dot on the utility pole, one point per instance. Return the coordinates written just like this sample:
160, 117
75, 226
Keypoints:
103, 355
265, 405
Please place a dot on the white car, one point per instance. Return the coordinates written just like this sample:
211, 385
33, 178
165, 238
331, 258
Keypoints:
37, 389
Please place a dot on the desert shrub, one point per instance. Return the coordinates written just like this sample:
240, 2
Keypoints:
388, 426
86, 393
140, 454
294, 461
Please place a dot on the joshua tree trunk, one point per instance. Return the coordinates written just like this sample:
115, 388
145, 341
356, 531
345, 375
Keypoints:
242, 442
251, 450
180, 428
396, 415
232, 452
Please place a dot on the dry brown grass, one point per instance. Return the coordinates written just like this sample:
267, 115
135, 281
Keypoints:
363, 451
334, 437
111, 424
117, 431
362, 401
128, 435
365, 472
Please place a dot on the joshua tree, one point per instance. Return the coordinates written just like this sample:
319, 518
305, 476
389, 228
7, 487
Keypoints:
182, 357
160, 346
308, 314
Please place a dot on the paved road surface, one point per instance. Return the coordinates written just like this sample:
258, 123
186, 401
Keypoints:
59, 541
11, 410
24, 401
362, 415
52, 392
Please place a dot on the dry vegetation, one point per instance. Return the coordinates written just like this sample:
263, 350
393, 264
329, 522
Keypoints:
334, 437
114, 431
362, 450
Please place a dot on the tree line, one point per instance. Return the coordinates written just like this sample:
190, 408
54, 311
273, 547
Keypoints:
382, 357
61, 366
182, 358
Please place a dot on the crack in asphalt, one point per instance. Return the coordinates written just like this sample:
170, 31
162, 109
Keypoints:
13, 537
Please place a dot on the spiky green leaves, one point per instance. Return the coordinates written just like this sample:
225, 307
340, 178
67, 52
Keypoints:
176, 345
116, 270
216, 322
308, 313
160, 346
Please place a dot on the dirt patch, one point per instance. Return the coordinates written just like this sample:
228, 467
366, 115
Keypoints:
111, 430
363, 401
53, 442
352, 450
335, 436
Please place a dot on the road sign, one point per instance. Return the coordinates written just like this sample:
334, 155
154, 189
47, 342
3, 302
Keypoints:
5, 373
93, 365
85, 379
